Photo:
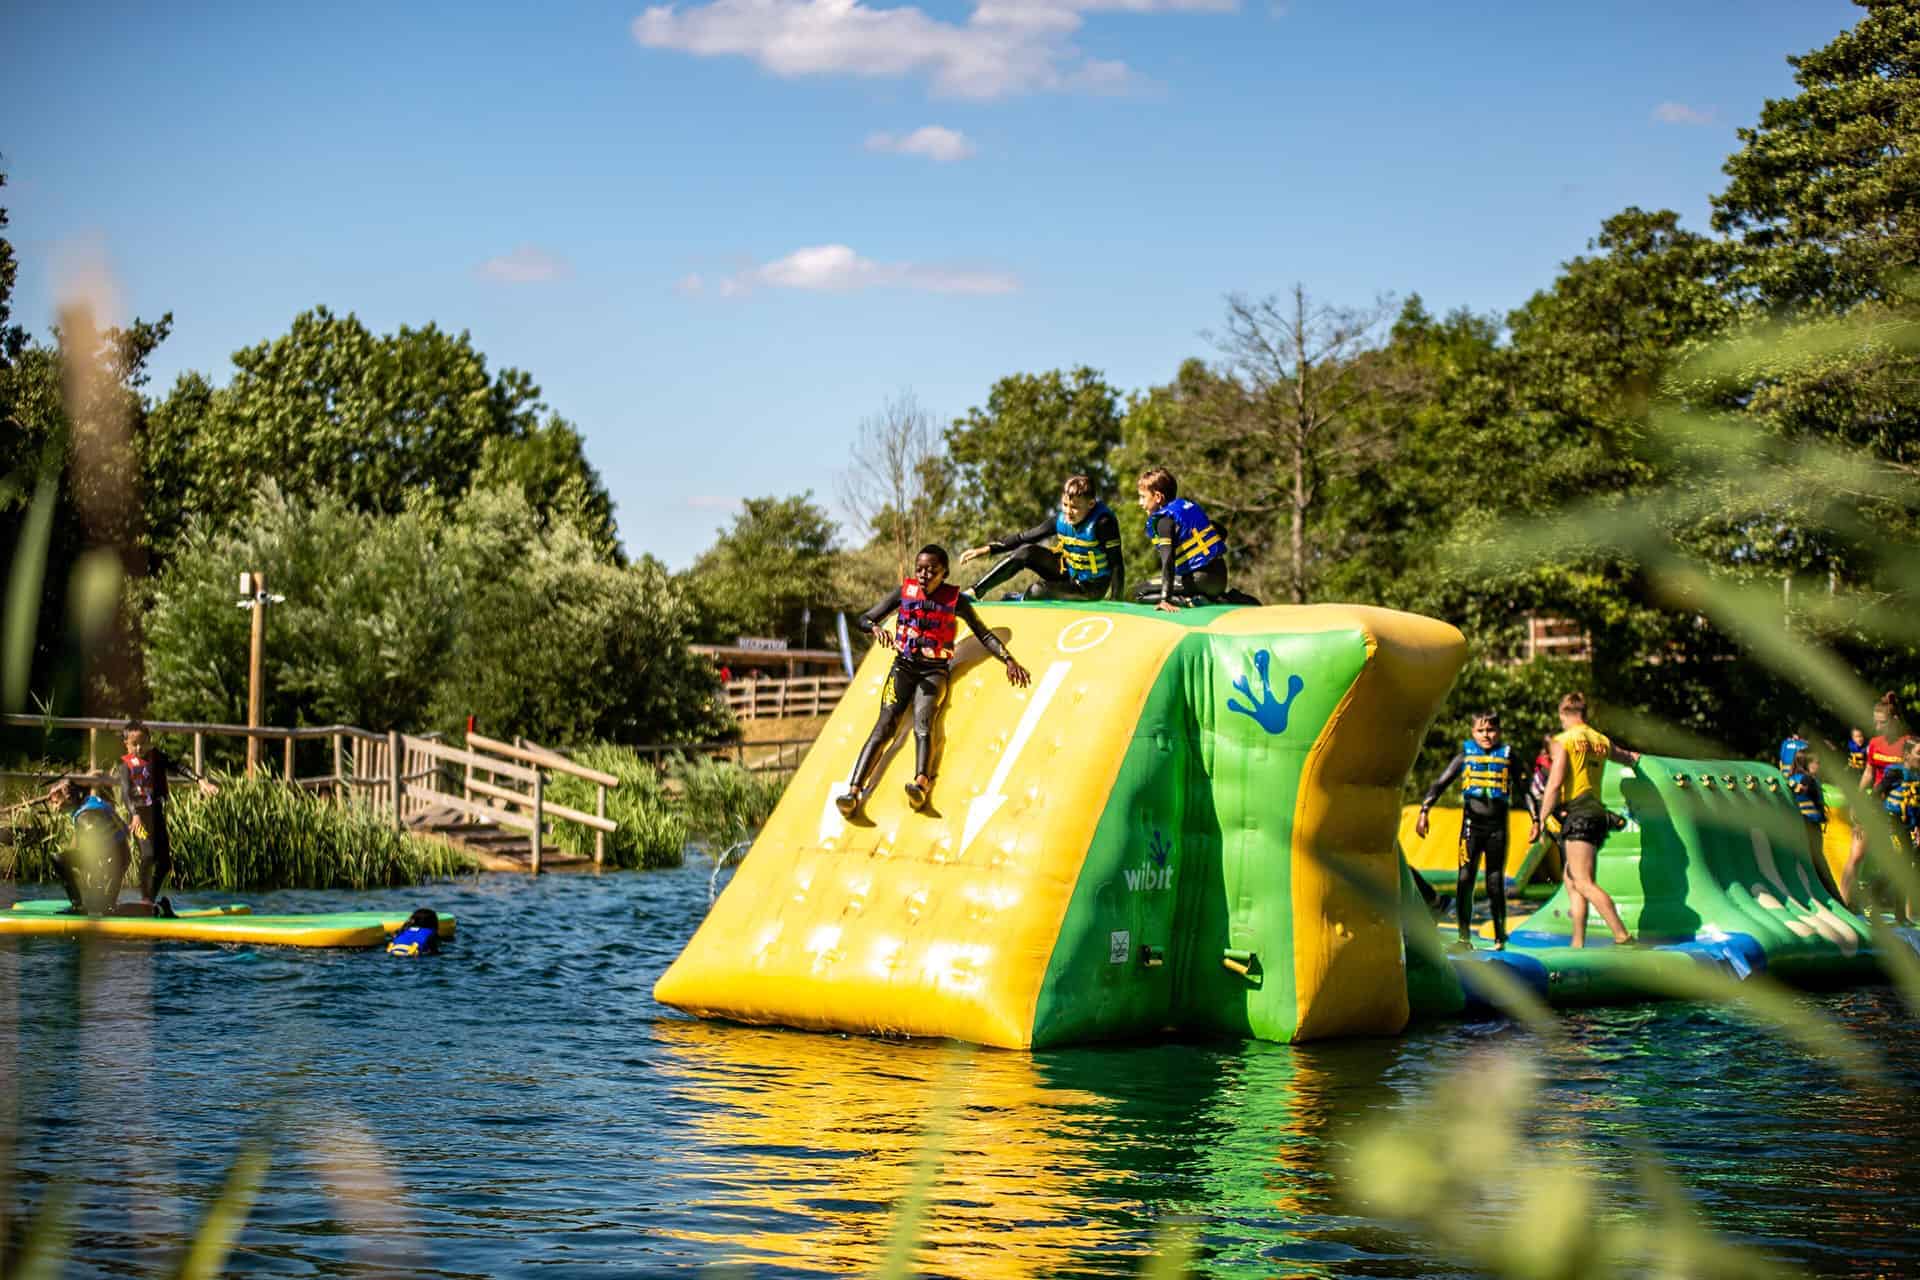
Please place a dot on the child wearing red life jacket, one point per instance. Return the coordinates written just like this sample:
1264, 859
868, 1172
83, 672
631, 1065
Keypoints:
930, 611
1884, 752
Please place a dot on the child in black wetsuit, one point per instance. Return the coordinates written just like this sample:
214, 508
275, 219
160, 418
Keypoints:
1492, 783
140, 779
1076, 554
930, 610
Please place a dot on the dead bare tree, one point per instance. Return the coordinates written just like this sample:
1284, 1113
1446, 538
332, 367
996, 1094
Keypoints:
886, 487
1305, 384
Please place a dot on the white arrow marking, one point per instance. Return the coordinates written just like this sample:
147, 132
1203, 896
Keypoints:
831, 823
984, 806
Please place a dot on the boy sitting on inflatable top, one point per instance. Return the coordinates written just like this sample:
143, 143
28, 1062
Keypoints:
1076, 554
931, 610
1191, 548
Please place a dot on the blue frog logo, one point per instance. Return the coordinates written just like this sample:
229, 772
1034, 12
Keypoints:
1266, 710
1156, 874
1159, 847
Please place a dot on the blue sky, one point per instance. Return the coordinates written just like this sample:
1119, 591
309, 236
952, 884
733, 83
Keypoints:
720, 233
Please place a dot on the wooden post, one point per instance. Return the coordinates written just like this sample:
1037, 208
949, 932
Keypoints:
599, 811
394, 781
539, 814
289, 760
199, 752
339, 781
256, 667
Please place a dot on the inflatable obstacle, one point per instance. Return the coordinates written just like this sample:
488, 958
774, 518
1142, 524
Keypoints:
234, 923
1435, 857
1186, 822
1714, 866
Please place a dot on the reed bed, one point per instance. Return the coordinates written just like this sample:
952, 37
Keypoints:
653, 830
258, 835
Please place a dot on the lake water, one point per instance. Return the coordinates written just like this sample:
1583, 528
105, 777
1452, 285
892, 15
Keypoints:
519, 1106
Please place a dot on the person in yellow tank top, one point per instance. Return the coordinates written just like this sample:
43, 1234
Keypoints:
1579, 754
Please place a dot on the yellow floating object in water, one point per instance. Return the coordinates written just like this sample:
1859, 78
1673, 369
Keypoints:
1174, 787
234, 923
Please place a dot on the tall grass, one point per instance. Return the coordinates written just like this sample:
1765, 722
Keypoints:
724, 803
259, 835
653, 831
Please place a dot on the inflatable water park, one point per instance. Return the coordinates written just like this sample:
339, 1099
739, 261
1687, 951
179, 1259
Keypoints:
1188, 824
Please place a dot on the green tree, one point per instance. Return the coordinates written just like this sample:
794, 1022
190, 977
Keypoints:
1034, 431
1824, 193
765, 572
330, 407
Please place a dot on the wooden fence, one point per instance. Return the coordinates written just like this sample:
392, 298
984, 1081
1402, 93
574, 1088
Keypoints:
1557, 638
775, 698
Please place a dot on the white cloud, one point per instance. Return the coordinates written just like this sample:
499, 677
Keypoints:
937, 143
1681, 113
528, 264
835, 268
1003, 47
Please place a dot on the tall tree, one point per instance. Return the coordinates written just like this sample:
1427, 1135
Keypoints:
331, 407
766, 572
894, 481
1306, 389
1825, 192
1034, 431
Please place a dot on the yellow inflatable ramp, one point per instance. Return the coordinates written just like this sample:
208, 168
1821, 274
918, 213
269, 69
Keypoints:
1186, 822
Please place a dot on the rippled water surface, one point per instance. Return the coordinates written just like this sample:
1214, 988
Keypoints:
520, 1106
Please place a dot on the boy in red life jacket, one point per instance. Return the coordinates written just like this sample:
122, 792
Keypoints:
930, 610
140, 781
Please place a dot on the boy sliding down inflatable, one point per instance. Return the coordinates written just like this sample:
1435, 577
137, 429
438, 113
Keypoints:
931, 610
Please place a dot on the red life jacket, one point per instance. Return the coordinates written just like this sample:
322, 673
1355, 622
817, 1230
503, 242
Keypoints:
139, 781
929, 622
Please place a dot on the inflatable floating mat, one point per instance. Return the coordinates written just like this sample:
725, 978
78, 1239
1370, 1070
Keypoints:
234, 923
1187, 822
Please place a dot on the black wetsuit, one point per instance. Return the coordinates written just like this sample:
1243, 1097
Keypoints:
1207, 582
141, 784
91, 873
1032, 550
1483, 835
918, 682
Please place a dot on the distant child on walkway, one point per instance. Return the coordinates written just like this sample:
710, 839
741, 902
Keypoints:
1492, 775
931, 610
1076, 554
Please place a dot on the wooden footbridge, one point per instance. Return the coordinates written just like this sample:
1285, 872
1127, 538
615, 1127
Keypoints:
488, 798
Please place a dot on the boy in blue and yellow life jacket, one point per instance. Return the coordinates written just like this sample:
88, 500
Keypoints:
419, 936
930, 612
1856, 752
1790, 748
1803, 781
1493, 782
1192, 550
1076, 554
1899, 793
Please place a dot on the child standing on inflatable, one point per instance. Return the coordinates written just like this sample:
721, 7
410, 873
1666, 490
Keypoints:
1492, 782
1580, 755
1898, 791
1085, 566
931, 610
1803, 780
140, 779
1191, 548
1883, 751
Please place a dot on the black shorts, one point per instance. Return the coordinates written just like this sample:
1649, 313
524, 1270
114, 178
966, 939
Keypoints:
1587, 827
1487, 841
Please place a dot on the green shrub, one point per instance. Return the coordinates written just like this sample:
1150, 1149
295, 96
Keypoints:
653, 830
260, 835
725, 803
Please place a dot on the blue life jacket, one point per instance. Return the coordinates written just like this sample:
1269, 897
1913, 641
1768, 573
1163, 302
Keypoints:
1084, 557
1808, 795
1486, 772
1903, 796
1856, 757
1790, 750
1196, 542
414, 940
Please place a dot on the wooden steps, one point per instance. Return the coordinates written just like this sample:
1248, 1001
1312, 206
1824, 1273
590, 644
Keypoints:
491, 846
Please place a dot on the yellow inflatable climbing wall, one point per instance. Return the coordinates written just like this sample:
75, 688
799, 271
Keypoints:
1186, 821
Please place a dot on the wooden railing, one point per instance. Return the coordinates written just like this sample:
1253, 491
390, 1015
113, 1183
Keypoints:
401, 775
1558, 638
774, 698
751, 756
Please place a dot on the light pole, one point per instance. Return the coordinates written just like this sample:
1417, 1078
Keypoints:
254, 596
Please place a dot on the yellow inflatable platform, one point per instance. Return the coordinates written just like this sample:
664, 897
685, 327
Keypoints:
234, 923
1186, 822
